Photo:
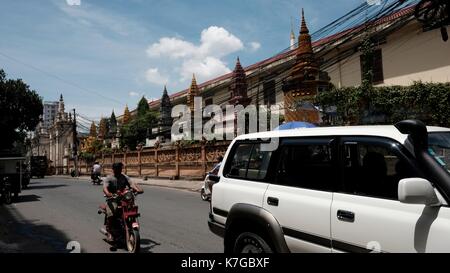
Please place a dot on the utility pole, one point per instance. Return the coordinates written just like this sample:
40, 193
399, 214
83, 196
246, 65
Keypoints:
75, 143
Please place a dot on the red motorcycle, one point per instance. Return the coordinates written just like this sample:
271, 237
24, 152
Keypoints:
124, 226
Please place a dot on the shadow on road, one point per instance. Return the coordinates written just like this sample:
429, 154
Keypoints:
27, 198
41, 187
18, 235
147, 245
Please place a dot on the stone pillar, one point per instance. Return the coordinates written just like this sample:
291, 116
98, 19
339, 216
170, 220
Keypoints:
203, 158
156, 163
177, 162
125, 162
139, 164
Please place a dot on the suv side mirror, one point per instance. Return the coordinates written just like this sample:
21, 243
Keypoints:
214, 178
417, 191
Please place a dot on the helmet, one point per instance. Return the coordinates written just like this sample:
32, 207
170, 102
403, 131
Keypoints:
117, 166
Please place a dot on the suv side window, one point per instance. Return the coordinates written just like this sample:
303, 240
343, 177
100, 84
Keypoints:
309, 166
248, 162
373, 169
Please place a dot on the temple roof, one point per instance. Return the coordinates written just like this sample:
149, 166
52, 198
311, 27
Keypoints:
407, 11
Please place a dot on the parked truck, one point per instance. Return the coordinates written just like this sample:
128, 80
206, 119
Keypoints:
38, 166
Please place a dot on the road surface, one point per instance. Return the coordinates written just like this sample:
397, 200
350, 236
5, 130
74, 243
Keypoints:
56, 211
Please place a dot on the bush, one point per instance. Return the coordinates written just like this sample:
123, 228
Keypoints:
429, 102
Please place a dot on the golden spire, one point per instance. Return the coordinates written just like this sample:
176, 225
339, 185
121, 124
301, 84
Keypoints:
126, 115
193, 92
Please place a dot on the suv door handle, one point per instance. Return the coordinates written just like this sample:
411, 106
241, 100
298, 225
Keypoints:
272, 201
346, 216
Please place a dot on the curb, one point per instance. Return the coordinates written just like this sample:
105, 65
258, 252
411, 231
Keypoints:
141, 182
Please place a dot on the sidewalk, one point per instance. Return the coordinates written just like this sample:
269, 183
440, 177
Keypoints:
190, 185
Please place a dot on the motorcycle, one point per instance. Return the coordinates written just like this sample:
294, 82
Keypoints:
124, 227
206, 191
5, 191
96, 180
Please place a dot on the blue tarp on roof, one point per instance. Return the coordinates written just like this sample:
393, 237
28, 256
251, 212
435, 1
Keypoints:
294, 125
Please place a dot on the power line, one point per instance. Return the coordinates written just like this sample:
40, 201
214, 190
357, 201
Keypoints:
87, 91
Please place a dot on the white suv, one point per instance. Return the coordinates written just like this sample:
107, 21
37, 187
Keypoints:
336, 189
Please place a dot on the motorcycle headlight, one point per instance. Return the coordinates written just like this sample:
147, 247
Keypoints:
128, 196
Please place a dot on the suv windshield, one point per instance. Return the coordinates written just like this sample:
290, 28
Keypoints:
439, 148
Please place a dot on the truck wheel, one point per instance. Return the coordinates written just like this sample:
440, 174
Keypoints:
249, 242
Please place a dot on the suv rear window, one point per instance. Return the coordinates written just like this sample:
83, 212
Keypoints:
248, 162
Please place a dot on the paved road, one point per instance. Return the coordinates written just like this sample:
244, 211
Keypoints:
54, 211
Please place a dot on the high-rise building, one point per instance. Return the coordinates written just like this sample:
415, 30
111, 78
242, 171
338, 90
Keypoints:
50, 111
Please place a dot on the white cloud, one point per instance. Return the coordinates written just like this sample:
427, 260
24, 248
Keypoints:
215, 41
254, 46
207, 68
171, 47
133, 94
204, 59
218, 42
73, 2
154, 76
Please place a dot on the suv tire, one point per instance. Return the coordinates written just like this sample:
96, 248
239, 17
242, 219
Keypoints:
249, 242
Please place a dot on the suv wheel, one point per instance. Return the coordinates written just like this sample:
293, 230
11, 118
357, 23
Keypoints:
248, 242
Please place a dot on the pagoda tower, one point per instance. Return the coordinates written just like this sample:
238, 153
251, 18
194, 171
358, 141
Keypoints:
300, 88
238, 86
193, 92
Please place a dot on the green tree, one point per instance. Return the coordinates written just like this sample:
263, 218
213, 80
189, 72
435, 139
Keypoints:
137, 130
112, 125
143, 107
20, 110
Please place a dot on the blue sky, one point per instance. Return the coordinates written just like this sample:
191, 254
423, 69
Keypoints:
102, 55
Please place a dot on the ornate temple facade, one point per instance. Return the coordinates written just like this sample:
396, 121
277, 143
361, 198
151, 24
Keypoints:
301, 87
56, 142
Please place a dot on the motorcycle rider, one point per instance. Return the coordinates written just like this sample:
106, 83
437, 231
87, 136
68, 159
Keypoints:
216, 168
112, 185
96, 171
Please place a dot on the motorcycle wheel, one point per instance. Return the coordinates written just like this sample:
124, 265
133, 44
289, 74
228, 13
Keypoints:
7, 197
134, 241
203, 195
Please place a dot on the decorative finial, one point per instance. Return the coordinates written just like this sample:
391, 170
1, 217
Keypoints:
304, 28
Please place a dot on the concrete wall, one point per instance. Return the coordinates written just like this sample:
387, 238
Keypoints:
409, 55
